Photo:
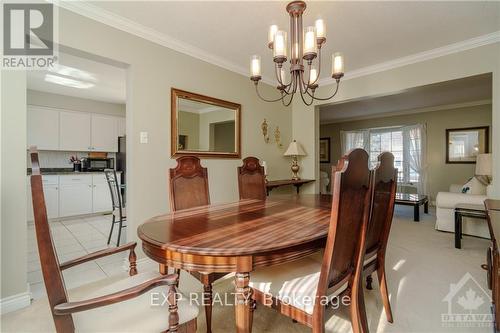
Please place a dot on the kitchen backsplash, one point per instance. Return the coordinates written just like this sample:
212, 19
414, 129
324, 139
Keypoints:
58, 159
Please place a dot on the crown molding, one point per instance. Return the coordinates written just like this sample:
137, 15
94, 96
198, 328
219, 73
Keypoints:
464, 45
119, 22
442, 107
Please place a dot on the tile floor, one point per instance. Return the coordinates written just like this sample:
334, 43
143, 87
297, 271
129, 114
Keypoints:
74, 238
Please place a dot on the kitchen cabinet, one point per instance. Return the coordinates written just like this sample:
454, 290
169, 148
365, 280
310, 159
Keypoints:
74, 131
104, 133
101, 197
75, 195
56, 129
51, 192
43, 128
122, 126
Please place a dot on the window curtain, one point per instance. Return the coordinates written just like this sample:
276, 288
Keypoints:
355, 139
415, 152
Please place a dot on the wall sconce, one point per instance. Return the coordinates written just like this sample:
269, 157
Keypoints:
277, 137
264, 131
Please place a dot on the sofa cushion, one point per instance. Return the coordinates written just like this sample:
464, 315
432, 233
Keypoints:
474, 186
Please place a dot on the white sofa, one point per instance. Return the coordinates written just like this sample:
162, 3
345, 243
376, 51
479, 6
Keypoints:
445, 212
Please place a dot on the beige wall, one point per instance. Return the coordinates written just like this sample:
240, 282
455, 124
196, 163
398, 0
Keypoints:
440, 174
13, 184
480, 60
41, 98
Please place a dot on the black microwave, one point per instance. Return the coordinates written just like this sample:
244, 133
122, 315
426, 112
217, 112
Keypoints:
97, 164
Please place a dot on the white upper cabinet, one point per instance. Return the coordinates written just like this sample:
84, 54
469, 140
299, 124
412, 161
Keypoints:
104, 133
122, 127
74, 134
43, 128
56, 129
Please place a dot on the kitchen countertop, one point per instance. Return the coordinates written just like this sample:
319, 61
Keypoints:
63, 171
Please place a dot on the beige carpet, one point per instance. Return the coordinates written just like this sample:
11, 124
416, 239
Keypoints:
421, 265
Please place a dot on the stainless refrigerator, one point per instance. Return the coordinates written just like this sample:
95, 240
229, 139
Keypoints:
121, 163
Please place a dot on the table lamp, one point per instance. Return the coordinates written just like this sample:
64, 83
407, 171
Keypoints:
294, 150
484, 168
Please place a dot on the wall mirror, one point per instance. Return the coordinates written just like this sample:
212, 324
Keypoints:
464, 144
204, 126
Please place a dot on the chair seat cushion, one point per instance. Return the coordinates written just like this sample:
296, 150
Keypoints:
146, 313
294, 283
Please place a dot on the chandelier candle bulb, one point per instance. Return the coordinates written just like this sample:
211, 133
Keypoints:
309, 41
255, 66
313, 75
337, 64
272, 32
280, 44
320, 29
282, 76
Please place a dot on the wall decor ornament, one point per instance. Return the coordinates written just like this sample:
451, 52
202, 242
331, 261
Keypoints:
265, 133
277, 137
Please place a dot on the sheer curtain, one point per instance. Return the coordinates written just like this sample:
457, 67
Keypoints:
415, 152
355, 139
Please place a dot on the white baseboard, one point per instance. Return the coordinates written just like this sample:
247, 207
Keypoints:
15, 302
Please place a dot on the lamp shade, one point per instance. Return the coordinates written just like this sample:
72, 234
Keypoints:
483, 165
294, 149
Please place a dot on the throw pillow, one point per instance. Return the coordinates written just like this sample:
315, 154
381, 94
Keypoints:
474, 186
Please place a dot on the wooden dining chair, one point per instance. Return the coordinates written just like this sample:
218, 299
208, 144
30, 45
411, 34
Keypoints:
119, 214
384, 194
188, 189
301, 289
113, 304
251, 179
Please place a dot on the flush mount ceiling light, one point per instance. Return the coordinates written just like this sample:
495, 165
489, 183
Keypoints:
305, 47
72, 72
64, 81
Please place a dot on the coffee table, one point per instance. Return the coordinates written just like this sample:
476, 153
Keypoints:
466, 210
415, 200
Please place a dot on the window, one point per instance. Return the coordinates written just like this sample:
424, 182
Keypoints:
388, 140
405, 143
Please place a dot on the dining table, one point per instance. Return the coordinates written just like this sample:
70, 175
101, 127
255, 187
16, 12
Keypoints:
238, 237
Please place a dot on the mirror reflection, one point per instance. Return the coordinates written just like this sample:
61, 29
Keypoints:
204, 126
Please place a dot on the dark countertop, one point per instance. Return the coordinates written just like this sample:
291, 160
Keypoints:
63, 171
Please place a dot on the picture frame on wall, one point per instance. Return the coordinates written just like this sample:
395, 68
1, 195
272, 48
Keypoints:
324, 150
464, 144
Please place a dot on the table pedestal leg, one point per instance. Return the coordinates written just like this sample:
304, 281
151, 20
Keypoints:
243, 302
426, 207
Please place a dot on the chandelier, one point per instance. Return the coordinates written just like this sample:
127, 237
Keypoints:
305, 47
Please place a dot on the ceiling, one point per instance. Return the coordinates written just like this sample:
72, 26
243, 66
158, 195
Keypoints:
81, 77
474, 89
368, 33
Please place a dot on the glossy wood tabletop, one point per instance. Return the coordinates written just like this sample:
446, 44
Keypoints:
238, 237
246, 227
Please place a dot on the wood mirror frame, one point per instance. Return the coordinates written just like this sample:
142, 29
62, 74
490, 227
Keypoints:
175, 94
